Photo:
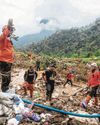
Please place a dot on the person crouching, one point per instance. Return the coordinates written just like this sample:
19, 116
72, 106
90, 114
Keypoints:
29, 77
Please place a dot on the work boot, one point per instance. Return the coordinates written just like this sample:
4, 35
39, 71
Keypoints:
84, 104
86, 101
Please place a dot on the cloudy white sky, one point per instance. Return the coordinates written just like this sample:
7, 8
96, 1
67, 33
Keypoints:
62, 14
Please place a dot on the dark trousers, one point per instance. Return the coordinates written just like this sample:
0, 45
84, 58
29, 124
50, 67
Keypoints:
37, 68
5, 70
93, 92
49, 90
68, 82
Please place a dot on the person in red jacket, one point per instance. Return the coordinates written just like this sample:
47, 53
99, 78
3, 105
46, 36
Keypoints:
93, 83
69, 79
99, 79
6, 55
99, 74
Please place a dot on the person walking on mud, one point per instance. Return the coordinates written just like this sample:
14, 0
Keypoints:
6, 55
29, 77
49, 78
99, 74
69, 79
93, 83
99, 79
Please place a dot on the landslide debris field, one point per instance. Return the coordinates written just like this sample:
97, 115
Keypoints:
66, 98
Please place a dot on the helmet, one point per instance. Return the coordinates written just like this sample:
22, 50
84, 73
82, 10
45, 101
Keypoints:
94, 64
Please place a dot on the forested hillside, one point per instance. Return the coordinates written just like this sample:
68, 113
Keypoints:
84, 41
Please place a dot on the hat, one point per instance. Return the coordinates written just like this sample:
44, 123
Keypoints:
94, 64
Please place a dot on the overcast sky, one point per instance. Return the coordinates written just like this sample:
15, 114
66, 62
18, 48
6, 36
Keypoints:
63, 14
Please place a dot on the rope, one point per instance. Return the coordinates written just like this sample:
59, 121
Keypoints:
62, 111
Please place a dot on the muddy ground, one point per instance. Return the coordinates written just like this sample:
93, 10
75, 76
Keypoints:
65, 98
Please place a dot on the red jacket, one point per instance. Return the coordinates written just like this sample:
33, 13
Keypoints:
94, 79
99, 76
6, 47
69, 76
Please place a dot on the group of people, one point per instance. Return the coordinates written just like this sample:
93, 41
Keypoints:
49, 75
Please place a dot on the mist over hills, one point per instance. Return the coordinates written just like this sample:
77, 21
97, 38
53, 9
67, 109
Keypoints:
26, 40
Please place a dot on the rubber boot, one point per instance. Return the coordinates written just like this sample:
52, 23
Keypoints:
88, 98
86, 101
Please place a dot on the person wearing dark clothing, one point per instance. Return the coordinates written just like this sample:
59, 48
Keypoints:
37, 65
6, 55
29, 77
49, 76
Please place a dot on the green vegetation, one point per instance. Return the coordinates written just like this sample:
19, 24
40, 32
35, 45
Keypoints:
81, 42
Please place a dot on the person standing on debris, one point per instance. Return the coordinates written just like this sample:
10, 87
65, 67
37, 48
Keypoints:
6, 55
99, 79
49, 78
38, 65
29, 77
69, 79
99, 74
93, 83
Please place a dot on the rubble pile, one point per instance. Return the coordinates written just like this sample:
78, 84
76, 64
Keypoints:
21, 113
29, 114
13, 111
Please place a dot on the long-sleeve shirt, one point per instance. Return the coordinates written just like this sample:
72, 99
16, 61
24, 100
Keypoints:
6, 48
94, 79
69, 76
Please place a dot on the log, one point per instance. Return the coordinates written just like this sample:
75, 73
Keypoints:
77, 91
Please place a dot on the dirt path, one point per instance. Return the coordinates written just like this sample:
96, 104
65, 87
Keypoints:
17, 80
17, 77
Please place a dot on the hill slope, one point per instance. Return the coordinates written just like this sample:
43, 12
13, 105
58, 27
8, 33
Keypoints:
26, 40
76, 41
